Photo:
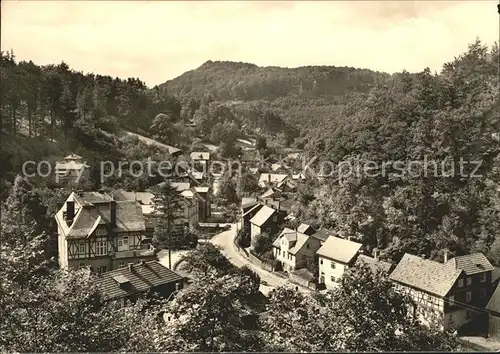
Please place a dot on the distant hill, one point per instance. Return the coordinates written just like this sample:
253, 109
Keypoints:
226, 80
305, 93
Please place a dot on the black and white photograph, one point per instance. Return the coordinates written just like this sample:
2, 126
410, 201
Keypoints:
249, 176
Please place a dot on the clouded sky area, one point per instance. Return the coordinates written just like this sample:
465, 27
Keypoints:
159, 40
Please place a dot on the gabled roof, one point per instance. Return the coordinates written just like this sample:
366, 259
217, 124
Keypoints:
142, 278
340, 250
301, 240
263, 215
94, 210
289, 234
494, 303
200, 155
423, 274
305, 229
269, 193
374, 264
70, 165
202, 189
271, 177
180, 186
256, 207
471, 263
73, 156
322, 234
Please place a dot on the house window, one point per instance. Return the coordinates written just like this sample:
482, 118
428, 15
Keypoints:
125, 240
482, 277
452, 299
121, 265
469, 281
332, 278
102, 248
307, 246
101, 232
482, 293
468, 296
101, 269
275, 218
82, 248
332, 264
460, 283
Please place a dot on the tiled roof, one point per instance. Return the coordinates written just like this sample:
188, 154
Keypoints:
88, 198
494, 303
262, 216
142, 278
144, 198
495, 275
322, 234
433, 277
340, 250
374, 264
471, 263
129, 218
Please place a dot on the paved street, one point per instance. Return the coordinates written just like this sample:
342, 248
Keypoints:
225, 240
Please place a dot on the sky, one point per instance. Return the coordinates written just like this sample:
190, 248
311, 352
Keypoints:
159, 40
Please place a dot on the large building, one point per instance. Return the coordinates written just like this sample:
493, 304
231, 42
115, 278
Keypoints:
449, 294
335, 256
96, 231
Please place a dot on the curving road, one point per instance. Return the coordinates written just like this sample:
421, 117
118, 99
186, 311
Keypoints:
225, 240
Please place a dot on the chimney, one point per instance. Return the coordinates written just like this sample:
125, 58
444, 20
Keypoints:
269, 178
70, 212
375, 253
130, 267
112, 213
445, 256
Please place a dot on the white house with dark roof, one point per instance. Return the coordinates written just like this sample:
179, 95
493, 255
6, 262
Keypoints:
294, 249
96, 231
335, 256
448, 294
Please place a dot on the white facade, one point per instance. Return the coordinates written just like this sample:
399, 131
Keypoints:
330, 272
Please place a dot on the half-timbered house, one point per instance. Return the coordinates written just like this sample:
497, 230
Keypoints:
96, 231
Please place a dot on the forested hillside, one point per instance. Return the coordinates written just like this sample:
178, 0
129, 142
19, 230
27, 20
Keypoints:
442, 118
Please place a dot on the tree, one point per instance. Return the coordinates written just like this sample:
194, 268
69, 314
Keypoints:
262, 243
206, 316
167, 202
248, 184
261, 143
206, 259
228, 190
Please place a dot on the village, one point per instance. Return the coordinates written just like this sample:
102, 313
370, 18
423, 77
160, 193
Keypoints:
111, 234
